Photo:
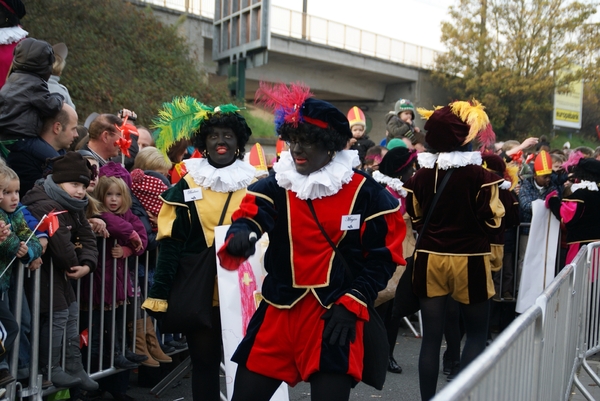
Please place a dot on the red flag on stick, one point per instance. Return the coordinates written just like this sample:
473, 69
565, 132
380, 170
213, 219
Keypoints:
50, 222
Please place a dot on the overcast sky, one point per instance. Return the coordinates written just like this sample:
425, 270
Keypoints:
412, 21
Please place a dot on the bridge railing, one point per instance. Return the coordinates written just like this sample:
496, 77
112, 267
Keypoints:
538, 355
319, 30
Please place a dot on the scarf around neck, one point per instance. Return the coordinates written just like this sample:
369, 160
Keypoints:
62, 197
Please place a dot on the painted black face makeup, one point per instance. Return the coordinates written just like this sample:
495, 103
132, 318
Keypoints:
221, 145
308, 157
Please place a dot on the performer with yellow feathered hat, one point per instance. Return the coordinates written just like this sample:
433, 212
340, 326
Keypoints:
204, 198
453, 253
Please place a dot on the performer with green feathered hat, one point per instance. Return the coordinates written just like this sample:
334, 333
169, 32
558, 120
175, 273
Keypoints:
204, 198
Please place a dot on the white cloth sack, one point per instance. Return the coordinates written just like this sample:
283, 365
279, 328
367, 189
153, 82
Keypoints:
540, 256
234, 312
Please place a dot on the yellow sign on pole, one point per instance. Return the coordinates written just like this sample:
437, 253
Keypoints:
568, 105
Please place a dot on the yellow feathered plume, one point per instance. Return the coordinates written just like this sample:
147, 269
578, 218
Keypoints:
473, 114
425, 114
512, 174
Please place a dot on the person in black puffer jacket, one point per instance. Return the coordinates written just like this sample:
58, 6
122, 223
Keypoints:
25, 100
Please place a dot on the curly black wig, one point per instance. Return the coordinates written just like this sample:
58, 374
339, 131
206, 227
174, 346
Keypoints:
229, 120
325, 138
587, 169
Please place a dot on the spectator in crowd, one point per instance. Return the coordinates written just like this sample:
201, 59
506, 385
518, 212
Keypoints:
60, 56
128, 232
358, 126
400, 123
186, 227
21, 245
72, 254
453, 255
310, 297
104, 132
536, 187
596, 154
144, 137
11, 33
24, 99
29, 158
373, 157
153, 162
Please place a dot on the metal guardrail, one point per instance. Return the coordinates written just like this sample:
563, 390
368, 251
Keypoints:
323, 31
101, 367
537, 356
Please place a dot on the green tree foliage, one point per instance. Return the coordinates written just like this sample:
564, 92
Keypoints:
506, 53
120, 56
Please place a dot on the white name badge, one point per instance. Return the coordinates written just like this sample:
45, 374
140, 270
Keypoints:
192, 194
350, 222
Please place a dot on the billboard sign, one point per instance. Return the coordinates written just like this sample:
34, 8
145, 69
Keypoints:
568, 105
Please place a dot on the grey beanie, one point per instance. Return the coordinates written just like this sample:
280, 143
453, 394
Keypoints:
404, 105
35, 56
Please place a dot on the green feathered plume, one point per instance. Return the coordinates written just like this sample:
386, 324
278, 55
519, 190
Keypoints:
179, 119
227, 108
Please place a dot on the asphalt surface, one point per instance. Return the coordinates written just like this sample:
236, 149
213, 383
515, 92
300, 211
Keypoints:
398, 387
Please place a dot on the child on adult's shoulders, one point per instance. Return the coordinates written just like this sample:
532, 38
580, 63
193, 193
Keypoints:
400, 124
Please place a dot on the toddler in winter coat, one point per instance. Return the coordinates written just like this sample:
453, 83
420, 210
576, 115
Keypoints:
126, 237
25, 100
20, 244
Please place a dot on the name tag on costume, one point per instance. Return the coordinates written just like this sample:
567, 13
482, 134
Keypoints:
192, 194
350, 222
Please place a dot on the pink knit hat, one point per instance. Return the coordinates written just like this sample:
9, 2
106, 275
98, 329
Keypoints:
147, 189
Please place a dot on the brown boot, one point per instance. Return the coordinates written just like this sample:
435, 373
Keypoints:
153, 345
140, 345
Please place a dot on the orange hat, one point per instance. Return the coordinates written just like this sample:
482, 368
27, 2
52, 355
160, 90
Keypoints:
543, 163
356, 116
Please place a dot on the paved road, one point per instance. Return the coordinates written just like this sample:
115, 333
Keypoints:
398, 387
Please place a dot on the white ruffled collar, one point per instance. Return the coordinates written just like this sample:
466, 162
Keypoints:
395, 183
12, 34
446, 160
226, 179
325, 182
589, 185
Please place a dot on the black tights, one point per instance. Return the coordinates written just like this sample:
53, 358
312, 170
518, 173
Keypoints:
250, 386
205, 353
432, 310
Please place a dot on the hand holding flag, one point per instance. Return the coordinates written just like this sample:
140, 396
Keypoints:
124, 143
48, 222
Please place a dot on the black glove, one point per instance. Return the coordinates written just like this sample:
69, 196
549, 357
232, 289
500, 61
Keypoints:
340, 324
242, 244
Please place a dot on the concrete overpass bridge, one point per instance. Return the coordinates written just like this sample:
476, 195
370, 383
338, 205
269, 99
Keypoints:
341, 64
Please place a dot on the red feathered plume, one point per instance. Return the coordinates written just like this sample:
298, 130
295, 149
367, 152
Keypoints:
487, 137
286, 100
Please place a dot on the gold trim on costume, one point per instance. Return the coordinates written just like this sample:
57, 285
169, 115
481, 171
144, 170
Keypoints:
262, 196
383, 213
288, 306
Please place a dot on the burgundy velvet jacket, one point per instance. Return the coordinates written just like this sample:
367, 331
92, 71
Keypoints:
467, 213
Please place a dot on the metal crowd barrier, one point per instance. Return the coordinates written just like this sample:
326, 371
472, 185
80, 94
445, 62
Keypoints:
538, 355
32, 387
